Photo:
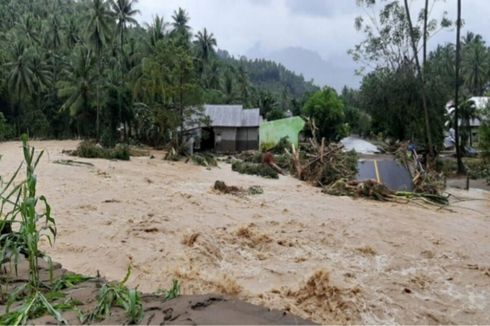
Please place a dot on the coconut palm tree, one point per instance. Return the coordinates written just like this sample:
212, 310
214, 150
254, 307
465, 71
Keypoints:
72, 33
476, 65
78, 83
181, 28
20, 77
98, 33
157, 30
206, 44
124, 13
467, 112
29, 29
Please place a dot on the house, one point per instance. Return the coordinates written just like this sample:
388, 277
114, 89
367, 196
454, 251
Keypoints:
226, 128
480, 103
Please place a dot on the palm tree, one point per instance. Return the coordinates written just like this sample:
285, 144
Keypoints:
205, 44
77, 85
98, 32
157, 30
181, 26
476, 65
28, 28
125, 13
72, 35
456, 89
54, 44
467, 112
20, 76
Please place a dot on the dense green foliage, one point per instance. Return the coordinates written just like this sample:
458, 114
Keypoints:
327, 111
391, 91
87, 69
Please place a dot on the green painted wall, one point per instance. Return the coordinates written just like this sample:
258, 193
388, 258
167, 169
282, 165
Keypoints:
273, 131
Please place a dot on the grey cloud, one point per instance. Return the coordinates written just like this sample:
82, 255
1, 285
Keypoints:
270, 28
326, 8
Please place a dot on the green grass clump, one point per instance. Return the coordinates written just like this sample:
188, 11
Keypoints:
255, 190
88, 149
171, 293
116, 294
261, 170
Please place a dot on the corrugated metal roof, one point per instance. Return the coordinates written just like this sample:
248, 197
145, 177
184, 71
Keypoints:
224, 115
233, 116
251, 118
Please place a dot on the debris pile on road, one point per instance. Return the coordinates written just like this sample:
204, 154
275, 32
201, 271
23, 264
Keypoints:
322, 164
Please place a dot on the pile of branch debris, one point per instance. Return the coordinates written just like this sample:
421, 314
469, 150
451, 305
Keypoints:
321, 164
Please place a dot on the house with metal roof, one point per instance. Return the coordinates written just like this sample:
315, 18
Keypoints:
226, 128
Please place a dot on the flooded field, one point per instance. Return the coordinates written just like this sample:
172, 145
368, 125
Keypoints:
329, 259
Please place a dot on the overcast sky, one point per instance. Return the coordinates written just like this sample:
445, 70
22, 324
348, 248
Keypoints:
321, 28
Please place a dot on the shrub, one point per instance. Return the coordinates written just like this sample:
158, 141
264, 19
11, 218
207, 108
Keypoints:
261, 170
279, 148
88, 149
204, 159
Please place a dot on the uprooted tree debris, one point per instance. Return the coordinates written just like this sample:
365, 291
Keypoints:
322, 164
330, 167
378, 191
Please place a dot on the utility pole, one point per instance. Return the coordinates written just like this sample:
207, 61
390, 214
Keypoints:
461, 169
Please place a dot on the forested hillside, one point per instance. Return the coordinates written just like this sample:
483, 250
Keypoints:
88, 69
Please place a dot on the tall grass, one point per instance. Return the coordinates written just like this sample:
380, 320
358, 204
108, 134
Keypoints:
28, 217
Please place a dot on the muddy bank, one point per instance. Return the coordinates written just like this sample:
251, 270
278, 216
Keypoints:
183, 310
328, 259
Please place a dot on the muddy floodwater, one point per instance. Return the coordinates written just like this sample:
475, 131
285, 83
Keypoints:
328, 259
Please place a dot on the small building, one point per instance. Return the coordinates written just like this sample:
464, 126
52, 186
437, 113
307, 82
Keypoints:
479, 103
227, 128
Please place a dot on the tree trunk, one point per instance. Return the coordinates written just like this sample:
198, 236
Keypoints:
461, 169
181, 100
97, 123
422, 82
426, 18
122, 84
